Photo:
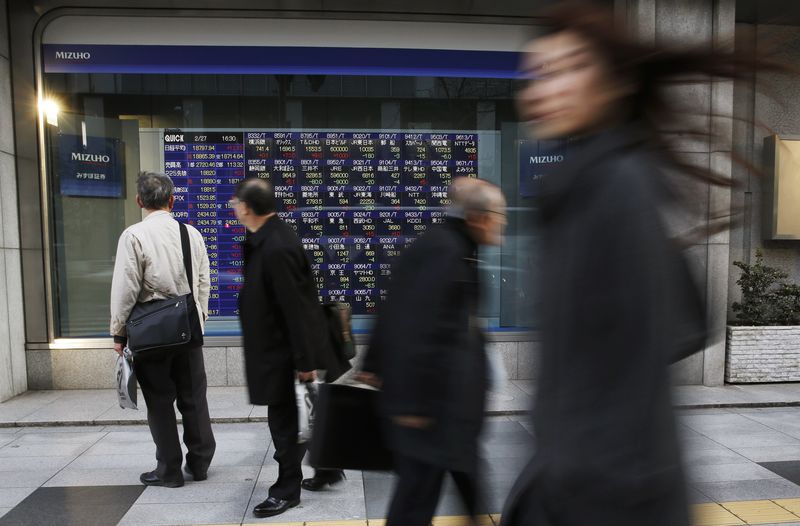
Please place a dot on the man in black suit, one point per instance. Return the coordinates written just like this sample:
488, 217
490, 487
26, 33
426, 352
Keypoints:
428, 351
284, 331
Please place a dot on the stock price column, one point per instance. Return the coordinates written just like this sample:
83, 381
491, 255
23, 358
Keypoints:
365, 268
205, 168
336, 242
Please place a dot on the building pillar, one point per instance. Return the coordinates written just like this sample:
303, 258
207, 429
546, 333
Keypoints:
13, 374
711, 24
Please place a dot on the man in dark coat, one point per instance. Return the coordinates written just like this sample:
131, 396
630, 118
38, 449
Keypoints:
284, 331
429, 353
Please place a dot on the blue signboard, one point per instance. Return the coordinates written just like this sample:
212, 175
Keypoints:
93, 169
536, 160
279, 60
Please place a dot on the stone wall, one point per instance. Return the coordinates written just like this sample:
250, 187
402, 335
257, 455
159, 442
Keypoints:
763, 354
707, 24
13, 379
70, 368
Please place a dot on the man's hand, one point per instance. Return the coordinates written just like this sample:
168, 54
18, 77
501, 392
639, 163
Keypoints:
371, 379
414, 422
119, 347
308, 376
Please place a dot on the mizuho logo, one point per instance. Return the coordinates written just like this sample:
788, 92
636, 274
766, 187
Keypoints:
539, 159
73, 55
90, 157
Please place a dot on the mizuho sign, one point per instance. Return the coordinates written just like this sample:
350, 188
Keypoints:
73, 55
539, 159
91, 157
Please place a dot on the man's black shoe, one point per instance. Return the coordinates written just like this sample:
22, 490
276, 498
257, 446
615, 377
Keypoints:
322, 479
151, 479
197, 477
273, 506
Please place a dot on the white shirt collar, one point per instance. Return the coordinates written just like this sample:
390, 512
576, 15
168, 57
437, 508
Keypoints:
156, 213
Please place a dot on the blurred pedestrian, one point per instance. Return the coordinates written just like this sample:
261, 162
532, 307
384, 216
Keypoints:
149, 266
369, 368
428, 352
618, 301
284, 331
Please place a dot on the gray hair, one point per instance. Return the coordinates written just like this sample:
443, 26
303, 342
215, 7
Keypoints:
154, 190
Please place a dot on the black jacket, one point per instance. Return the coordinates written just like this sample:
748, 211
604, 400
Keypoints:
427, 349
619, 306
283, 325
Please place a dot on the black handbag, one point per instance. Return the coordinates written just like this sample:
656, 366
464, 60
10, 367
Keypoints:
172, 323
340, 329
347, 430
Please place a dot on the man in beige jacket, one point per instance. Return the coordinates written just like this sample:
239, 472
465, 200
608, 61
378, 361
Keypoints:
149, 266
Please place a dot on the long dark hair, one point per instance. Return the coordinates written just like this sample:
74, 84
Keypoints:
652, 69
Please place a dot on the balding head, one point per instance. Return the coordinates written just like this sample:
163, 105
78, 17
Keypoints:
457, 192
258, 195
484, 209
254, 202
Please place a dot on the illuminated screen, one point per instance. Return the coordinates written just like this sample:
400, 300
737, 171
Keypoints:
355, 199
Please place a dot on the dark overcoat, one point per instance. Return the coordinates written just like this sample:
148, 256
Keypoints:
429, 351
618, 306
283, 325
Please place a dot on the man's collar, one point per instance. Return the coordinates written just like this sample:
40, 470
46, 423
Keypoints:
265, 223
155, 213
257, 237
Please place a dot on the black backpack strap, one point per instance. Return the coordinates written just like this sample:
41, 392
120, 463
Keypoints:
187, 255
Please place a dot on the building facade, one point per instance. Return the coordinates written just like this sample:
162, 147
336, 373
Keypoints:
360, 112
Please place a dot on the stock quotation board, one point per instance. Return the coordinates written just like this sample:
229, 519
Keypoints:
356, 199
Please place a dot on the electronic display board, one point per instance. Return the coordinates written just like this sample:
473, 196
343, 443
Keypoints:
356, 199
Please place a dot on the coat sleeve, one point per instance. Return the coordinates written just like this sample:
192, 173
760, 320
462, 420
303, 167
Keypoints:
284, 274
126, 282
417, 334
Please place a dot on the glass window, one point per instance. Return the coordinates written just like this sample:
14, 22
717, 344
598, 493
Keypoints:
361, 163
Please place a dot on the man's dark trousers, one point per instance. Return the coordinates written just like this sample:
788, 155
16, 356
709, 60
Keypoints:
283, 426
167, 376
418, 488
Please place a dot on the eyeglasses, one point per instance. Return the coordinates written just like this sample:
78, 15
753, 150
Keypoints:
232, 202
503, 214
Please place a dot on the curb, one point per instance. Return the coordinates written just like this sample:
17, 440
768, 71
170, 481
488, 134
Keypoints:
263, 419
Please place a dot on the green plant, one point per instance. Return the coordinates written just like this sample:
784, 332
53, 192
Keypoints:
766, 298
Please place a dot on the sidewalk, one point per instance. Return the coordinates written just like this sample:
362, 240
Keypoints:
743, 467
63, 454
230, 405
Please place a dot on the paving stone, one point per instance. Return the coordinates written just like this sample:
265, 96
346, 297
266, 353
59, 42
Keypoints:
199, 492
749, 490
182, 513
17, 464
15, 449
10, 497
84, 506
97, 477
770, 453
729, 472
708, 456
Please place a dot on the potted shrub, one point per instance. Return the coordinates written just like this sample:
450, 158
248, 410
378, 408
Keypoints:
763, 344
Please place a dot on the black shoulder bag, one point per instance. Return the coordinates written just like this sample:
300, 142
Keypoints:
172, 323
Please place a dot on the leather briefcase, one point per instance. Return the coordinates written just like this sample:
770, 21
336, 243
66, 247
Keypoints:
347, 430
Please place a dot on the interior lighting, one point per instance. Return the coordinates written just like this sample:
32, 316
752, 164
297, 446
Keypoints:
50, 109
